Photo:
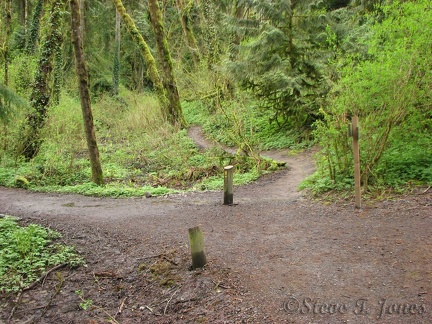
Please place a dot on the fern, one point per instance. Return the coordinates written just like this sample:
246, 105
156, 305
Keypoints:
9, 99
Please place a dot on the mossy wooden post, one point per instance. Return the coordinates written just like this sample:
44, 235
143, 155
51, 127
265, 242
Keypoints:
196, 239
228, 185
356, 152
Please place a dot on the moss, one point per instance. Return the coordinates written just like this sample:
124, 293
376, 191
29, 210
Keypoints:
21, 182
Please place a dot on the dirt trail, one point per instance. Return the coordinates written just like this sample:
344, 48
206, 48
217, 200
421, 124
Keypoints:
275, 257
285, 185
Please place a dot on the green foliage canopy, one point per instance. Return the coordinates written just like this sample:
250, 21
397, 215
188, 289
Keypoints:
283, 62
391, 92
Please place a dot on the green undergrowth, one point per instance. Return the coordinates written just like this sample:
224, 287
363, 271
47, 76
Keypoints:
27, 252
239, 123
140, 154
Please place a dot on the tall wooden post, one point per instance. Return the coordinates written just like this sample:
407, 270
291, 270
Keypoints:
228, 185
196, 239
356, 152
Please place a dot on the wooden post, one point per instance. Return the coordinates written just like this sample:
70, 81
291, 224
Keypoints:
196, 239
228, 185
356, 152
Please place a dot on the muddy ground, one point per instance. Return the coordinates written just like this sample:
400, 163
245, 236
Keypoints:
275, 256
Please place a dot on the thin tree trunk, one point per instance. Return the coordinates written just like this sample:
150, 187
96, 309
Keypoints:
96, 168
148, 58
188, 32
8, 19
116, 67
22, 15
82, 21
175, 113
210, 33
34, 28
41, 92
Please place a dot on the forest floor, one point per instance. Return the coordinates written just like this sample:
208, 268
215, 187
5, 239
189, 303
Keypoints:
275, 256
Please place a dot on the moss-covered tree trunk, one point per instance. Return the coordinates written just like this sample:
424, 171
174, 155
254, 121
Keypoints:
41, 92
147, 55
116, 64
22, 14
188, 33
96, 168
33, 35
8, 19
209, 26
175, 113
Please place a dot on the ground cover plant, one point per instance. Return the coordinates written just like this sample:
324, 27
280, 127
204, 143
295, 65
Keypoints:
27, 252
140, 154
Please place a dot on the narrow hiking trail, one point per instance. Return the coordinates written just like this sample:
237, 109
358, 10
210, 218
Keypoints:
299, 166
274, 257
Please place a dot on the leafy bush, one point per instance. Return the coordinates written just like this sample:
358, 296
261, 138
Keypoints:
391, 94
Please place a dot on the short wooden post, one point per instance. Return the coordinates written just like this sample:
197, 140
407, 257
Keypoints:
196, 239
228, 185
356, 152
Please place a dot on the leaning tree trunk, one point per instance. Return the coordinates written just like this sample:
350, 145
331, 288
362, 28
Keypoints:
175, 113
41, 92
96, 168
148, 57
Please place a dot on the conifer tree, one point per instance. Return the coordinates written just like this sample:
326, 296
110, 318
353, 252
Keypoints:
281, 64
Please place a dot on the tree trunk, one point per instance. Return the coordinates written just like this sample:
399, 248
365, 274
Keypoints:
34, 28
41, 92
8, 19
96, 168
116, 67
148, 57
82, 21
175, 113
210, 33
188, 34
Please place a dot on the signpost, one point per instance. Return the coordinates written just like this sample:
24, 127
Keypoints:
196, 239
356, 151
228, 185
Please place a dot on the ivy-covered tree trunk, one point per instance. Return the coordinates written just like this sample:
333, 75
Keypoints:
148, 57
34, 27
188, 33
210, 33
41, 92
175, 113
96, 168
